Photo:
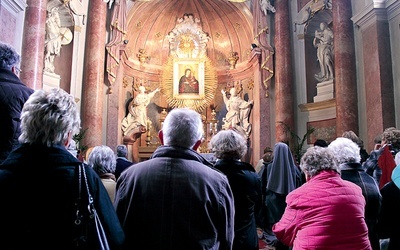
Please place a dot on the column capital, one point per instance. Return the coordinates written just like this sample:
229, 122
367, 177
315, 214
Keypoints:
369, 16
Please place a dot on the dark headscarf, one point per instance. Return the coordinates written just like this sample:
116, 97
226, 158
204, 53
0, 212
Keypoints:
282, 174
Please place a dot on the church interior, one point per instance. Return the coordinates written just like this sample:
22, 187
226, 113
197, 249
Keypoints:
293, 71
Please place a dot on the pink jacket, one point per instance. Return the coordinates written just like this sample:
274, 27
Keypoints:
324, 213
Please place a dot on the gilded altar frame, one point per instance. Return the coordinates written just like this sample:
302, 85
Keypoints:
188, 49
207, 77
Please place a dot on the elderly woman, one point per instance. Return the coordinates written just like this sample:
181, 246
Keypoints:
229, 147
326, 212
347, 154
103, 161
39, 184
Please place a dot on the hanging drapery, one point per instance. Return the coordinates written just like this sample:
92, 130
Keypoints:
118, 32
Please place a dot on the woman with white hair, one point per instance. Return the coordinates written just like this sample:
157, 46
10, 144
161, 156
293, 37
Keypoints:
229, 147
39, 181
102, 160
347, 154
326, 212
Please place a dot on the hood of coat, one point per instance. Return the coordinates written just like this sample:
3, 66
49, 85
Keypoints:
233, 166
180, 152
396, 176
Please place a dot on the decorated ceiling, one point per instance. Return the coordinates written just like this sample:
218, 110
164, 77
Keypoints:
228, 25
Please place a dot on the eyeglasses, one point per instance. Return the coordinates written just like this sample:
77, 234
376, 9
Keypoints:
18, 70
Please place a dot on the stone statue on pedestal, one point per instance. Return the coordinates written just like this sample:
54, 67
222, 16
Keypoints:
237, 117
323, 41
137, 115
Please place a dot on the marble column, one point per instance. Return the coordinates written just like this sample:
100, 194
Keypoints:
378, 74
284, 109
345, 68
93, 85
33, 44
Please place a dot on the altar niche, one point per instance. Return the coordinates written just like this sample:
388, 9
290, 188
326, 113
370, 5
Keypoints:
189, 79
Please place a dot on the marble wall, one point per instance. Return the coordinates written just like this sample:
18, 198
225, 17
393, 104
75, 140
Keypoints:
12, 13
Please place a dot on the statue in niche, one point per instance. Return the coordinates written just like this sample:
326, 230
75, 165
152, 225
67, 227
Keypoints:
137, 115
238, 112
77, 9
266, 6
56, 36
323, 41
309, 10
53, 38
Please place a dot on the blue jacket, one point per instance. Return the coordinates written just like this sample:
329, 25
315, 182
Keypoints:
175, 200
13, 95
122, 164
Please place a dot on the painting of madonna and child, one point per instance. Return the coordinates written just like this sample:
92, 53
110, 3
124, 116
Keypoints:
189, 79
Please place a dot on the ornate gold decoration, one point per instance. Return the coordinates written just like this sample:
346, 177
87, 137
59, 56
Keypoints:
188, 48
264, 63
198, 104
263, 66
186, 44
126, 80
137, 82
250, 84
232, 59
142, 56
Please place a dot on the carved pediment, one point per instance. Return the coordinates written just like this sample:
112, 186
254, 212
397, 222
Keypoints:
187, 39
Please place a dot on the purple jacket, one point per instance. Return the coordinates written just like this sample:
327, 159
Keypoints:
326, 212
175, 200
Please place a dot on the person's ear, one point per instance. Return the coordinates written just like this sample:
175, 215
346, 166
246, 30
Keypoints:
68, 140
15, 70
161, 137
196, 145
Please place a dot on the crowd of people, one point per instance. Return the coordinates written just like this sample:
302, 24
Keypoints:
337, 197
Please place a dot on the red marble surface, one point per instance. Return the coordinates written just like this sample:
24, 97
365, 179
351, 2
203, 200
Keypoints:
345, 68
284, 109
33, 44
378, 80
93, 86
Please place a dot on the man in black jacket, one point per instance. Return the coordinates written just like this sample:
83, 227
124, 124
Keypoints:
122, 162
13, 95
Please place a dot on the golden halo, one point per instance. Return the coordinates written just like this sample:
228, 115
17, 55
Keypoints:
196, 103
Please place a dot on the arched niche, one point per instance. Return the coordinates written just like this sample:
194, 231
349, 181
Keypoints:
311, 61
